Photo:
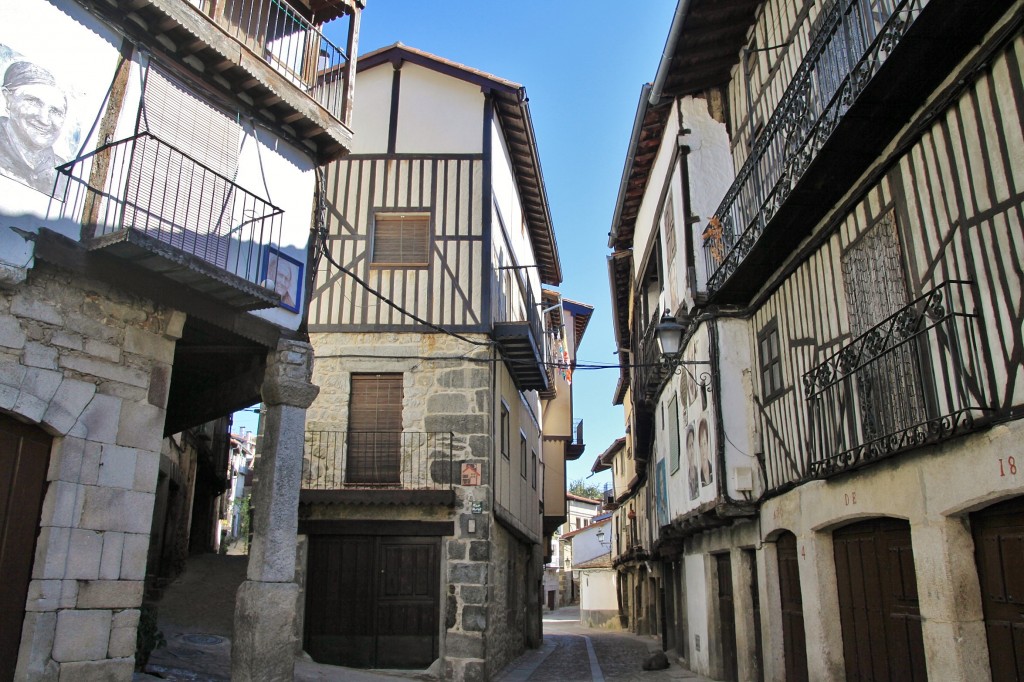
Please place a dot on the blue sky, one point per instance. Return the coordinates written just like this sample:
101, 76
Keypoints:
583, 64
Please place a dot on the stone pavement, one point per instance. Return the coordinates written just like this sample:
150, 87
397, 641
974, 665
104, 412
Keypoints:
196, 612
574, 653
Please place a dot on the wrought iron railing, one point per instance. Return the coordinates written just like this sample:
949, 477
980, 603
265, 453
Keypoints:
911, 380
144, 184
361, 460
292, 45
851, 39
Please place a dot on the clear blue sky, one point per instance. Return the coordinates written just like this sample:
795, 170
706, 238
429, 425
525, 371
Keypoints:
583, 63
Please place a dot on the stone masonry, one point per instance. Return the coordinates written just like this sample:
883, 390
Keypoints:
447, 388
91, 365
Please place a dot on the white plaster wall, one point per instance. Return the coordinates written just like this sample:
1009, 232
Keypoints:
648, 216
586, 547
437, 113
30, 30
370, 117
696, 611
711, 171
736, 386
597, 590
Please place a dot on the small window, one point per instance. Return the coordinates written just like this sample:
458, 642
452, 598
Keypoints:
401, 239
522, 454
533, 459
504, 431
770, 357
673, 434
668, 226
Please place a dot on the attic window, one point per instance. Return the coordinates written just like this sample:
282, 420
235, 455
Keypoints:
401, 239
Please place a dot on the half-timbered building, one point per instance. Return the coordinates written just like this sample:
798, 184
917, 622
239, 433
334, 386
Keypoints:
828, 198
445, 366
157, 174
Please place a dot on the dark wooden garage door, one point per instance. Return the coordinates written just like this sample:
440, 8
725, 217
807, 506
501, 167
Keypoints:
372, 602
793, 638
878, 605
999, 552
24, 459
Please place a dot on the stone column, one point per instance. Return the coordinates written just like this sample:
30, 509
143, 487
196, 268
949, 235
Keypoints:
266, 606
820, 594
955, 644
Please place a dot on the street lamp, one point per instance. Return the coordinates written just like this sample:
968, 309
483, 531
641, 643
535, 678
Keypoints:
669, 335
600, 538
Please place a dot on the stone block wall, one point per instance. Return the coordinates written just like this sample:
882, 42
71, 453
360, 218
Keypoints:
447, 388
91, 365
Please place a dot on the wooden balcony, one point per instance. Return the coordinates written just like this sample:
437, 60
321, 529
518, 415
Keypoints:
915, 379
649, 372
519, 334
271, 56
376, 467
870, 66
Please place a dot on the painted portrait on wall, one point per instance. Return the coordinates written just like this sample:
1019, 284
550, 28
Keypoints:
661, 494
691, 459
39, 129
283, 274
704, 447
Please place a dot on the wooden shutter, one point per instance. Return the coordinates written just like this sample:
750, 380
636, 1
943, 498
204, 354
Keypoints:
400, 239
374, 429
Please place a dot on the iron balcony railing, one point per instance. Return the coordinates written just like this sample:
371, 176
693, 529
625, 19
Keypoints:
913, 379
361, 460
296, 48
144, 184
851, 39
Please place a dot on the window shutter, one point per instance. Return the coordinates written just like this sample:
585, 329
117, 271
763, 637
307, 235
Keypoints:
374, 430
400, 239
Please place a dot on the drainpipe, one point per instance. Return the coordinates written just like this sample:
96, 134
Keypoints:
664, 65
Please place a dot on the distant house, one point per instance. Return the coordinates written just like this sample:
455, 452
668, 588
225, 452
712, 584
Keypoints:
598, 584
560, 585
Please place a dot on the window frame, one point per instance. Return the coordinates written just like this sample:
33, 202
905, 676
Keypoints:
770, 390
506, 428
393, 214
523, 448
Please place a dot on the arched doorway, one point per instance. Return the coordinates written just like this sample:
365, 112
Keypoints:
794, 641
999, 552
24, 459
878, 602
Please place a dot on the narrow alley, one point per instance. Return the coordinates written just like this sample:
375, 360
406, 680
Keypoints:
195, 618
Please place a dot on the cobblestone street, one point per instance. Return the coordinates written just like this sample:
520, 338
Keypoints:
572, 653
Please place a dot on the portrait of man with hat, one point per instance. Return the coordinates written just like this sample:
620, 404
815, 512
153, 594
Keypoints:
36, 110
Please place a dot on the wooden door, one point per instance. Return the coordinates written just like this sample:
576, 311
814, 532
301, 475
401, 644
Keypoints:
793, 638
878, 603
372, 602
726, 615
999, 553
374, 430
24, 459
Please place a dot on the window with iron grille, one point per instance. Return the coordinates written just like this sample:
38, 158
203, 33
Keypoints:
374, 430
769, 356
401, 239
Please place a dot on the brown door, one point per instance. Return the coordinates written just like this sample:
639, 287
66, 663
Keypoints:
793, 639
726, 616
999, 552
878, 605
372, 602
24, 459
374, 430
